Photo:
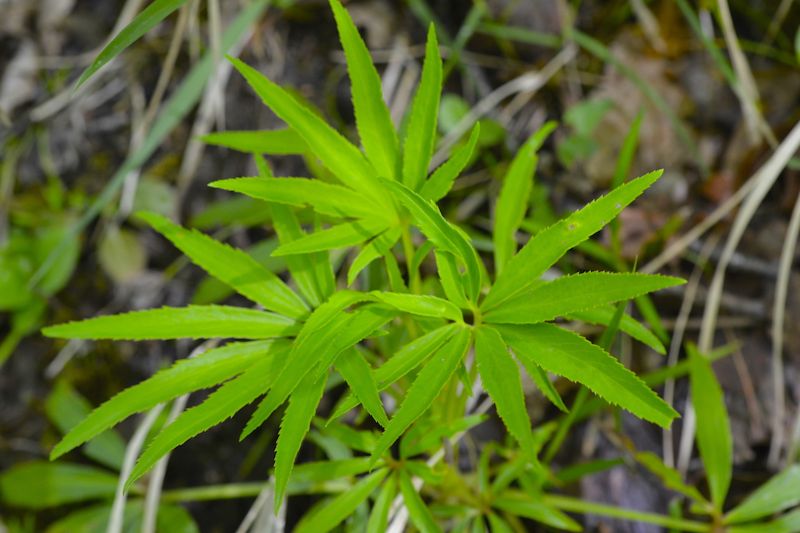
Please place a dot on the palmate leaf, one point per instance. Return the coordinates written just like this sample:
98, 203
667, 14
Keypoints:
569, 355
193, 321
549, 245
515, 196
294, 426
500, 378
336, 153
219, 406
713, 426
205, 370
232, 266
443, 234
441, 181
421, 130
359, 377
339, 508
577, 292
150, 16
429, 382
338, 236
284, 141
324, 198
374, 124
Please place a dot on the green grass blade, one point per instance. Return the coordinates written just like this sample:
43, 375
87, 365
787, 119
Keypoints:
342, 158
193, 321
515, 196
359, 377
218, 407
713, 426
294, 426
778, 494
338, 236
373, 121
339, 508
549, 245
284, 141
420, 515
429, 382
421, 131
441, 181
441, 232
150, 16
500, 378
325, 198
420, 305
627, 324
574, 293
187, 375
231, 266
569, 355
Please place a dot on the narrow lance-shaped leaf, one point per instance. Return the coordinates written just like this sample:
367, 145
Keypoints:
713, 426
420, 514
450, 278
339, 508
421, 305
187, 375
578, 292
283, 141
141, 24
373, 121
338, 236
294, 426
500, 377
219, 406
231, 266
421, 131
337, 153
377, 247
429, 382
515, 196
431, 222
779, 493
324, 198
379, 516
530, 506
543, 383
441, 181
193, 321
549, 245
40, 484
569, 355
627, 324
359, 377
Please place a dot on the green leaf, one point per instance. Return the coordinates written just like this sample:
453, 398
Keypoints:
450, 278
549, 245
788, 523
219, 406
187, 375
311, 272
421, 130
339, 236
339, 508
500, 378
402, 362
358, 375
336, 153
527, 505
193, 321
94, 519
628, 324
577, 292
327, 333
670, 477
429, 382
420, 515
543, 383
569, 355
713, 426
295, 423
373, 121
515, 196
41, 484
66, 409
150, 16
325, 198
284, 141
781, 492
377, 247
498, 525
231, 266
443, 234
420, 305
441, 181
379, 517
